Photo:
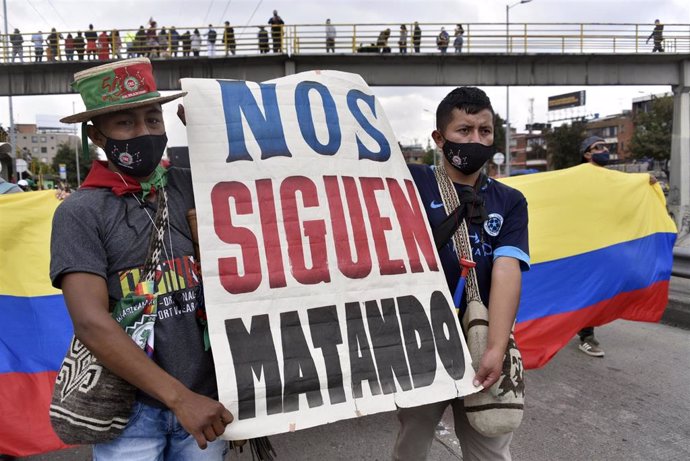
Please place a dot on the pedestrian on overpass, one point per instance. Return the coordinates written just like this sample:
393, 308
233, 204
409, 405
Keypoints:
442, 40
17, 45
277, 24
416, 37
330, 37
658, 36
496, 219
211, 39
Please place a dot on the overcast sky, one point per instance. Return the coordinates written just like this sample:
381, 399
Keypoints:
410, 110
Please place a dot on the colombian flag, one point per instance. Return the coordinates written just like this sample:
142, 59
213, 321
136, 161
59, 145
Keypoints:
601, 246
35, 328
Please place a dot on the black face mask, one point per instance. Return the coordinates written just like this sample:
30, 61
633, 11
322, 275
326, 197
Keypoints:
138, 156
469, 157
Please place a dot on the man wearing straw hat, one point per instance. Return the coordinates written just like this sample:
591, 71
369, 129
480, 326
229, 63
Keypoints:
101, 235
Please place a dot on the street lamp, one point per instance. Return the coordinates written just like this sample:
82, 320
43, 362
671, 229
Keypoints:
508, 156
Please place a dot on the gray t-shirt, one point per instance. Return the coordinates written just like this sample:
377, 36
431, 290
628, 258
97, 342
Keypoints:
97, 232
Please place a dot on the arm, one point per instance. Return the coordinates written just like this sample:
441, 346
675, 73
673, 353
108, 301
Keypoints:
506, 279
86, 296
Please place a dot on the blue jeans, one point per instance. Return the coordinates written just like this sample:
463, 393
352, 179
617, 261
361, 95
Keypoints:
154, 434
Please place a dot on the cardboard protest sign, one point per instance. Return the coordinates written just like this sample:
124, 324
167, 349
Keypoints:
325, 296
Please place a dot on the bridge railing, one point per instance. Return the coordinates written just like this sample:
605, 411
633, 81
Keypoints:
571, 38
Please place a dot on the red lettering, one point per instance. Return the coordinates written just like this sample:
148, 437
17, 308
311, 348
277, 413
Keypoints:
413, 225
314, 230
362, 266
228, 269
379, 226
269, 229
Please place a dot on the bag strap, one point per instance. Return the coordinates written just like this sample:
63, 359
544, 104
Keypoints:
461, 237
156, 242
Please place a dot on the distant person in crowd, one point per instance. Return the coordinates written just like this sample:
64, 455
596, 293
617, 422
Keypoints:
174, 41
91, 38
211, 37
103, 46
186, 44
163, 42
457, 43
8, 188
402, 43
24, 185
196, 43
442, 40
79, 45
140, 42
416, 37
658, 37
330, 37
37, 40
263, 40
116, 43
595, 151
382, 41
152, 45
69, 47
276, 23
229, 39
17, 45
53, 41
129, 43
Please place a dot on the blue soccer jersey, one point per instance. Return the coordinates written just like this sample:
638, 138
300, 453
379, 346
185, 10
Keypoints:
504, 233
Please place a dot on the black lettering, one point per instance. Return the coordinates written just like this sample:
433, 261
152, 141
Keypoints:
387, 342
449, 349
299, 370
421, 353
361, 362
254, 353
326, 335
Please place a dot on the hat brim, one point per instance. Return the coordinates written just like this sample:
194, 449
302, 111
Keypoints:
89, 114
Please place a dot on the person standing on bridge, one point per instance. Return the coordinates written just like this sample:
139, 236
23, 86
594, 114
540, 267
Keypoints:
442, 40
177, 414
229, 39
496, 217
211, 38
416, 37
277, 24
330, 37
37, 40
658, 37
79, 45
17, 45
91, 38
402, 41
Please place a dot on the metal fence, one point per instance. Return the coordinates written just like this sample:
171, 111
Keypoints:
516, 38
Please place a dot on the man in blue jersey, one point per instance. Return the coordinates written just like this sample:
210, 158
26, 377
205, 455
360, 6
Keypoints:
497, 223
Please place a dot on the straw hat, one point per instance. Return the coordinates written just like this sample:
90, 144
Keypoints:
116, 86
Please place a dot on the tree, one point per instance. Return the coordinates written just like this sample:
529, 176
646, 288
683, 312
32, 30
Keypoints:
499, 133
429, 153
653, 130
65, 154
563, 144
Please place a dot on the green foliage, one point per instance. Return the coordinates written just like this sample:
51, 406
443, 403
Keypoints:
65, 154
653, 129
563, 145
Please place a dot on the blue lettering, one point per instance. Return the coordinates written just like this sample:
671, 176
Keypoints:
306, 121
267, 130
382, 155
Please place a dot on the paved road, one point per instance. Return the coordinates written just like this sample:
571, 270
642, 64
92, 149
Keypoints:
634, 404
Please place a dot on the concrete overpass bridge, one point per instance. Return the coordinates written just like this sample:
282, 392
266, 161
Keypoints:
520, 55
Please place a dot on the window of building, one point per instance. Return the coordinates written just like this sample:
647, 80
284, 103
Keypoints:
34, 150
43, 139
44, 150
34, 139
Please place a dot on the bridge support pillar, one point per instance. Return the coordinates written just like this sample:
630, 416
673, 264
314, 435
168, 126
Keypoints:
679, 169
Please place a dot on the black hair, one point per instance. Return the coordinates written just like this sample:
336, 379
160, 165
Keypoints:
469, 99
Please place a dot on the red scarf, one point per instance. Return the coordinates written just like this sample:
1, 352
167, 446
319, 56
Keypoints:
101, 176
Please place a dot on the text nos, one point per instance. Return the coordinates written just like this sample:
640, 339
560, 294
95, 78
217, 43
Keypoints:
406, 339
369, 205
266, 123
